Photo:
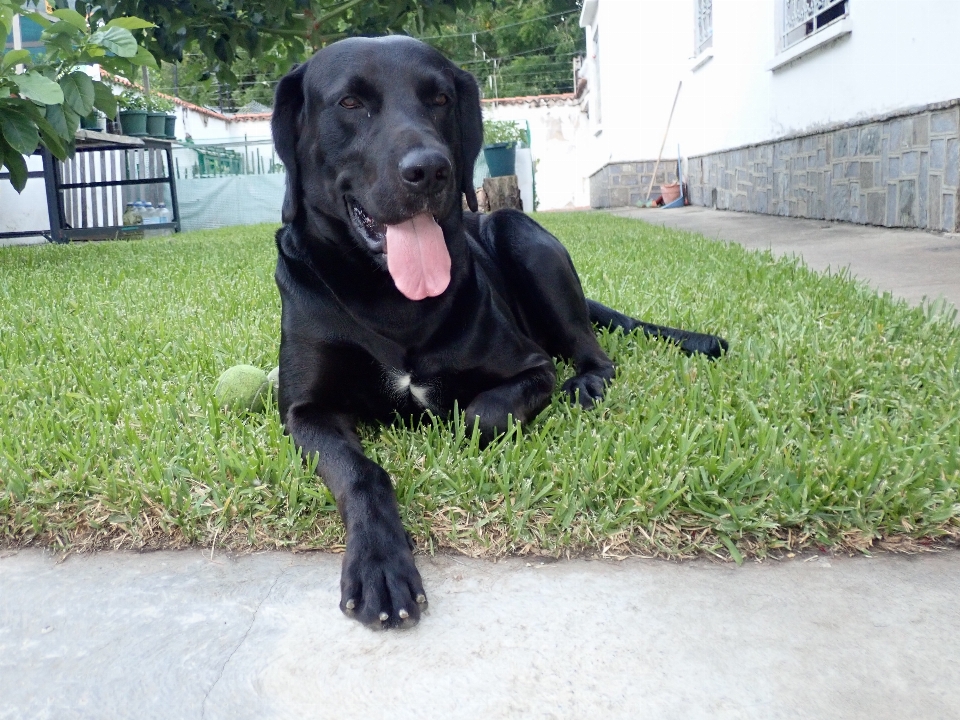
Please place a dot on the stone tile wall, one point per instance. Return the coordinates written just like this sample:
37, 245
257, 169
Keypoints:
899, 171
626, 183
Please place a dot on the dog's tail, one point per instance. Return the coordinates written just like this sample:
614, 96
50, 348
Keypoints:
689, 342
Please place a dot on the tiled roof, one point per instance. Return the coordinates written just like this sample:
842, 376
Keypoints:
239, 117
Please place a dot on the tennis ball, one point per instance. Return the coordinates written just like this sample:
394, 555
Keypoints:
242, 387
274, 377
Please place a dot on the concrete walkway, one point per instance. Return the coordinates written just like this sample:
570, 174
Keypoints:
181, 635
177, 635
911, 264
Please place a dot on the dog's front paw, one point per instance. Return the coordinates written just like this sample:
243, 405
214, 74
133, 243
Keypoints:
379, 583
586, 390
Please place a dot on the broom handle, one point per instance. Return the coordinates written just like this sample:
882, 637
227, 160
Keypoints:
656, 167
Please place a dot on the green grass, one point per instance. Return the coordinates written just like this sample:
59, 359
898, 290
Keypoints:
833, 421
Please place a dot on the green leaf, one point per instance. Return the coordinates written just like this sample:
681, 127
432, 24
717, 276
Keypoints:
104, 99
144, 57
6, 22
16, 165
51, 140
72, 17
78, 94
61, 29
19, 131
117, 40
130, 23
72, 120
14, 57
58, 122
38, 88
41, 20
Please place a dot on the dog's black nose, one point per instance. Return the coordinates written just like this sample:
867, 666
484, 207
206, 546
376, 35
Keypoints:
425, 171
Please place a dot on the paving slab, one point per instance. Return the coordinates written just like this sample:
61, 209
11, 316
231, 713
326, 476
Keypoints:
911, 264
178, 635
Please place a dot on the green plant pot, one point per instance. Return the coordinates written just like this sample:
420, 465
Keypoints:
91, 122
133, 122
170, 126
156, 124
501, 159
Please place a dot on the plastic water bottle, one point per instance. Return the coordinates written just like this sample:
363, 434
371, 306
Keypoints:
149, 218
164, 216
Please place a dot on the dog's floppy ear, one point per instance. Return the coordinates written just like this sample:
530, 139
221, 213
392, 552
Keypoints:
285, 126
471, 131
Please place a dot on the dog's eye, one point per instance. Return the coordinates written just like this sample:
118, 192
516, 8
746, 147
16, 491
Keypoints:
350, 103
440, 99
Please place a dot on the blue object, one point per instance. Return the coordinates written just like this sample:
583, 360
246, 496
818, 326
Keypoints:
501, 159
680, 200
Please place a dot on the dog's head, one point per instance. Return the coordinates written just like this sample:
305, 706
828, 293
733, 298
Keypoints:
379, 138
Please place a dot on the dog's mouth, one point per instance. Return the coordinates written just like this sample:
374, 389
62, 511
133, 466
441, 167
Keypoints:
373, 233
417, 256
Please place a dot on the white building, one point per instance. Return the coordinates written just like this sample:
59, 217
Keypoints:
832, 109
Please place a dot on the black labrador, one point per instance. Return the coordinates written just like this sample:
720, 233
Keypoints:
396, 301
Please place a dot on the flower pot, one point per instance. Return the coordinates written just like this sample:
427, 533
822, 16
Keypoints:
156, 124
170, 126
91, 122
670, 192
133, 122
501, 159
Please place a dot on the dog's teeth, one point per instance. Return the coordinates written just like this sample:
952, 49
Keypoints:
421, 598
384, 617
403, 614
351, 604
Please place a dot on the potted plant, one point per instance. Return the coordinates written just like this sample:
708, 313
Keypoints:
501, 138
157, 109
93, 121
133, 113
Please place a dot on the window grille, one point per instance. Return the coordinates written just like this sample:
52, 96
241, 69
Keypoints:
805, 17
704, 26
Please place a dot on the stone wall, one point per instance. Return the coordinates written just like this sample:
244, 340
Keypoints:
900, 170
626, 183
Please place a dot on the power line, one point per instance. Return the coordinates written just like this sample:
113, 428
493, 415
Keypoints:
500, 27
519, 54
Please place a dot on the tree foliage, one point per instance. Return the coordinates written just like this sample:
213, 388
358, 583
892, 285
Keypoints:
527, 46
514, 47
286, 31
43, 97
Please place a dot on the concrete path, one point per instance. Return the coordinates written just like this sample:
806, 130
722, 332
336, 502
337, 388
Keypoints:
177, 635
911, 264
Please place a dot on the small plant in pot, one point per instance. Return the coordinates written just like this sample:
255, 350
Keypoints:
157, 109
133, 113
499, 151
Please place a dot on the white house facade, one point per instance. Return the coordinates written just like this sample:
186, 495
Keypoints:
829, 109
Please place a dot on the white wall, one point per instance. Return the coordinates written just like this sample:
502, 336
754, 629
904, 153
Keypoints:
26, 211
644, 46
558, 144
901, 53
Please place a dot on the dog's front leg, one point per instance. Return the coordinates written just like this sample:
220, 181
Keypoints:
522, 398
379, 582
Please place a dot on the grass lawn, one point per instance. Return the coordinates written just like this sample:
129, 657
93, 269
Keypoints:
833, 421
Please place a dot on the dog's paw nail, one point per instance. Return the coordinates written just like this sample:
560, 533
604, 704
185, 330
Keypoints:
384, 617
421, 598
403, 614
351, 604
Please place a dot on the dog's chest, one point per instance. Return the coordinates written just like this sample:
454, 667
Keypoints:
402, 386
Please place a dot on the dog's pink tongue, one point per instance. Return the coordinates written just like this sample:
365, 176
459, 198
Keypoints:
417, 257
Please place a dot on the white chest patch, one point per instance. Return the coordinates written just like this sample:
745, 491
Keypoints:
420, 393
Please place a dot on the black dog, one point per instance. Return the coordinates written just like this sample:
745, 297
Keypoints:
397, 301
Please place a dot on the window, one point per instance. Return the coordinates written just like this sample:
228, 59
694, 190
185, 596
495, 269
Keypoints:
703, 30
802, 18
